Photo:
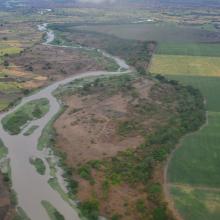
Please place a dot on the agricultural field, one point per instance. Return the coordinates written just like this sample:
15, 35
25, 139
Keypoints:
193, 177
15, 38
197, 203
186, 65
159, 32
189, 49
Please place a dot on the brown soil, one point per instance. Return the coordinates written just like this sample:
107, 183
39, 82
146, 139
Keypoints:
57, 63
88, 130
91, 123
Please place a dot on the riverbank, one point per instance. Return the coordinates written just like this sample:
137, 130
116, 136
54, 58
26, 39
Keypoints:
21, 148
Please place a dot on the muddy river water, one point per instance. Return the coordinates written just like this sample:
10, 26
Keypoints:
31, 187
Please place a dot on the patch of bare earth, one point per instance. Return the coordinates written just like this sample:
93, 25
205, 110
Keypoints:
88, 131
56, 63
88, 128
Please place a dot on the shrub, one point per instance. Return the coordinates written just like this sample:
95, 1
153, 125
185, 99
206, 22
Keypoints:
90, 209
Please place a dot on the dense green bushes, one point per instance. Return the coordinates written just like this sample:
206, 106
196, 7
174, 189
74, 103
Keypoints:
90, 209
39, 165
36, 109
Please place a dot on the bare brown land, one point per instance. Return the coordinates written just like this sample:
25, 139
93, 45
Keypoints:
91, 123
56, 63
115, 134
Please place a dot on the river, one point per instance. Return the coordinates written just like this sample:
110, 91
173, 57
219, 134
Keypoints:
32, 188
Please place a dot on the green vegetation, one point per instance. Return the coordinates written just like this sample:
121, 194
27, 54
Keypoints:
189, 49
85, 173
14, 122
209, 86
137, 166
47, 137
4, 104
56, 186
8, 48
51, 211
159, 32
90, 209
201, 151
136, 53
3, 150
108, 63
9, 86
31, 130
39, 165
193, 170
185, 65
20, 214
195, 203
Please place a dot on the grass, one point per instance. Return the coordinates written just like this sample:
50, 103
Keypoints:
195, 204
51, 211
185, 65
31, 130
209, 86
4, 104
21, 215
8, 48
197, 161
39, 165
190, 49
10, 86
53, 182
3, 150
15, 122
47, 136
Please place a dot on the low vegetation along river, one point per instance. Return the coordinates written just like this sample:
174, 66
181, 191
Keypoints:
31, 187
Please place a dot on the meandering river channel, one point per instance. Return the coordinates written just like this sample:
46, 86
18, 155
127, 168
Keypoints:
31, 187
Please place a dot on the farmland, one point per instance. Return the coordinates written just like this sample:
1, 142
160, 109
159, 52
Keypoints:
190, 49
160, 32
193, 177
186, 65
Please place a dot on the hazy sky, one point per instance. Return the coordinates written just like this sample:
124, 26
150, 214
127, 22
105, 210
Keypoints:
96, 1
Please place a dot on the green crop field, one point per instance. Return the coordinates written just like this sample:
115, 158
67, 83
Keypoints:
185, 65
197, 161
190, 49
196, 204
209, 86
193, 172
